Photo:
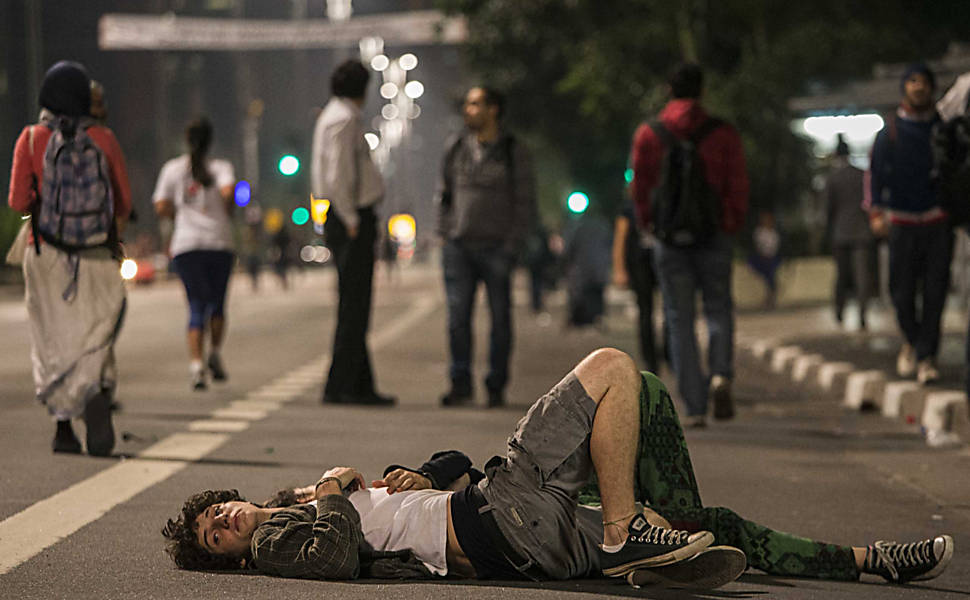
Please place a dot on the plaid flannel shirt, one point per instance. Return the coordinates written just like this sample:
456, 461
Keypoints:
311, 543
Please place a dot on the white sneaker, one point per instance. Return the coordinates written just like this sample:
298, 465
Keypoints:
197, 377
906, 361
927, 372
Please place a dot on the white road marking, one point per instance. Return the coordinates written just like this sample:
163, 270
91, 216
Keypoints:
40, 525
216, 425
27, 533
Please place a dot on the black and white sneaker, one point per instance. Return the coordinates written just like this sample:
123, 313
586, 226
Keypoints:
708, 569
916, 561
651, 546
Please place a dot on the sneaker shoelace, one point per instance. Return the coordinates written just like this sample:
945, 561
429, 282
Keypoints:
892, 555
659, 535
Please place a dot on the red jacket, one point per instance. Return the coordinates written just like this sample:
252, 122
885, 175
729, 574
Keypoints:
720, 151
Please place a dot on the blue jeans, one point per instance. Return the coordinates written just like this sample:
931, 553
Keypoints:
464, 267
682, 273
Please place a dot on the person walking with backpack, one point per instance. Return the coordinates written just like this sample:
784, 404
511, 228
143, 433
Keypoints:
486, 201
69, 173
690, 189
197, 192
904, 203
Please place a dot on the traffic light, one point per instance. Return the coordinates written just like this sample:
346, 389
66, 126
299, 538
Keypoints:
289, 165
300, 215
628, 175
577, 202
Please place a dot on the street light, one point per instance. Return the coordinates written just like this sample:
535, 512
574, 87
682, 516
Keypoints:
379, 62
388, 90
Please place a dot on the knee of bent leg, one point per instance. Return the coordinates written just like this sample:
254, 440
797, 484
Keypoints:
614, 364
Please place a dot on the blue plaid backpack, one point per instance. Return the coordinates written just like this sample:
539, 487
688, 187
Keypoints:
76, 205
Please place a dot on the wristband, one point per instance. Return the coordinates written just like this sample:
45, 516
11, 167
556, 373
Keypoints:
324, 480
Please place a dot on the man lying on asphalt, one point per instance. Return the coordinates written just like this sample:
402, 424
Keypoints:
605, 435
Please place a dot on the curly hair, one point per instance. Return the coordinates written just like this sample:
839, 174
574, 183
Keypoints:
183, 545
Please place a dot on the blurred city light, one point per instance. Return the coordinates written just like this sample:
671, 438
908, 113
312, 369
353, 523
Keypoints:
379, 62
289, 165
319, 207
242, 192
401, 228
390, 112
414, 112
577, 202
273, 220
315, 253
408, 61
300, 215
372, 139
857, 128
388, 90
129, 269
414, 89
628, 175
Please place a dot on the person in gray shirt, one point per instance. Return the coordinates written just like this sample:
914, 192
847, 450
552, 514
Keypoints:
486, 204
853, 245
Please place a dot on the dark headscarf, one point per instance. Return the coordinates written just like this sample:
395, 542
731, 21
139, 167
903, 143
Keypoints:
66, 90
912, 69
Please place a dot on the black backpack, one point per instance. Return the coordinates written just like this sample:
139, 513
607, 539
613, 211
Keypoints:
686, 211
951, 155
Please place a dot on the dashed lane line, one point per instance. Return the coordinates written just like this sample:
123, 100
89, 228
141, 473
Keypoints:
41, 525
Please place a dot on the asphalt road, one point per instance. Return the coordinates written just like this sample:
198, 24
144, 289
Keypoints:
80, 527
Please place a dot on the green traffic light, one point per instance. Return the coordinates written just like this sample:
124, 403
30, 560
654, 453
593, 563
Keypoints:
300, 216
289, 165
628, 175
577, 202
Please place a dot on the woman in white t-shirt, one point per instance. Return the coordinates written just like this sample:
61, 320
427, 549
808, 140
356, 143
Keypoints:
197, 192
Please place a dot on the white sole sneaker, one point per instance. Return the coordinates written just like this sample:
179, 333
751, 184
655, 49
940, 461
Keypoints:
708, 569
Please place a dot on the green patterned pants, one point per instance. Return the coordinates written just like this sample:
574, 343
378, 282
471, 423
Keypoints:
665, 481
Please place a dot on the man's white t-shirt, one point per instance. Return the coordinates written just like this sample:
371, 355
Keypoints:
201, 220
415, 520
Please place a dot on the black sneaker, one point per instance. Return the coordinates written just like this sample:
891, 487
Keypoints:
216, 368
900, 563
651, 546
456, 397
64, 439
496, 398
708, 569
100, 436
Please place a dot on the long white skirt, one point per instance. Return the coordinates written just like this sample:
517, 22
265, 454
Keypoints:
76, 305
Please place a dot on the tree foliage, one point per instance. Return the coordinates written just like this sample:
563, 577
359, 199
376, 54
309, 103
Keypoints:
582, 73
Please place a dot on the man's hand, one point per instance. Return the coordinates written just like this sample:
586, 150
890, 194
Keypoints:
401, 480
879, 224
347, 478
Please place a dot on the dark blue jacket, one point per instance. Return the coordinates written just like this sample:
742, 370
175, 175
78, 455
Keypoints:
902, 165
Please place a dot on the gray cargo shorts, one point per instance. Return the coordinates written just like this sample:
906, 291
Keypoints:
532, 491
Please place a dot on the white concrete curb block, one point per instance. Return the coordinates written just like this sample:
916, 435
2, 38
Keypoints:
783, 356
806, 366
892, 398
827, 372
761, 348
937, 418
862, 386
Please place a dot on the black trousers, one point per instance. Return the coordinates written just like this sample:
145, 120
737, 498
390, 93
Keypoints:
919, 267
643, 280
350, 368
853, 272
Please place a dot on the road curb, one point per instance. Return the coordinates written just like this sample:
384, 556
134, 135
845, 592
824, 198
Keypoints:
941, 414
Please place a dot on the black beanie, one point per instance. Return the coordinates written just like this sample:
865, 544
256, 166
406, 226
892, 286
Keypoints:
914, 68
66, 89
